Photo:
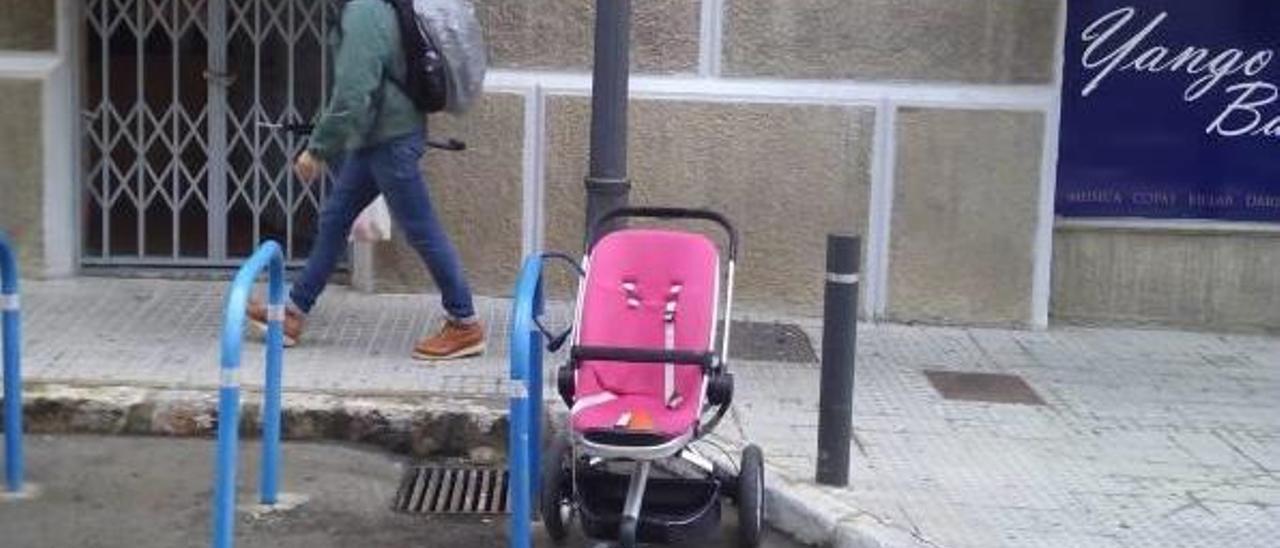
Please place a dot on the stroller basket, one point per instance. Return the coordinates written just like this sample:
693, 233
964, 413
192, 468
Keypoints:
675, 509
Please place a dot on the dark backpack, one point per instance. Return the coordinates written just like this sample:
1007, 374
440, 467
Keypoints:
425, 81
444, 52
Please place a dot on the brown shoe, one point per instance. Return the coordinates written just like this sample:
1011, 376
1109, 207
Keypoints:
294, 321
455, 340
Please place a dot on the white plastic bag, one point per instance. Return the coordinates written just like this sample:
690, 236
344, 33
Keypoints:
373, 224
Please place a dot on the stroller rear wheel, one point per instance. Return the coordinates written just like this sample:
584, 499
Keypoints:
555, 501
751, 497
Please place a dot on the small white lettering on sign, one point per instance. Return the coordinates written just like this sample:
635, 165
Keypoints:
1262, 201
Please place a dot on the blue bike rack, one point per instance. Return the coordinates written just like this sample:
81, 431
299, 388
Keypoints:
268, 257
525, 434
9, 304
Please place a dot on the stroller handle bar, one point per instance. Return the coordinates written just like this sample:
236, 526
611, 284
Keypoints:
668, 213
642, 356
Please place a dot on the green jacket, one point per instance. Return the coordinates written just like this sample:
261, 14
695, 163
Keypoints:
369, 54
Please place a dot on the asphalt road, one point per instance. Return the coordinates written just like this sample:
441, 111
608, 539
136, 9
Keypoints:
112, 492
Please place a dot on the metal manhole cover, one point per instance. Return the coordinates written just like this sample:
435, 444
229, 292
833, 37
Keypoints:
983, 387
459, 490
771, 342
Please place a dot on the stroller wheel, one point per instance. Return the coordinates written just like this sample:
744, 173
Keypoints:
751, 497
554, 500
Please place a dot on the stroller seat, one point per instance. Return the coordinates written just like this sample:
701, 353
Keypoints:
646, 290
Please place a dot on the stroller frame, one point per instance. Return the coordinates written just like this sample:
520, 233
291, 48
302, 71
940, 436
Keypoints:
580, 471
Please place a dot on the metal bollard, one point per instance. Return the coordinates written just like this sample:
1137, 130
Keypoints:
524, 435
270, 258
12, 343
839, 347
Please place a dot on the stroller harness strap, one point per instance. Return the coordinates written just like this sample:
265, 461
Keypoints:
594, 400
670, 397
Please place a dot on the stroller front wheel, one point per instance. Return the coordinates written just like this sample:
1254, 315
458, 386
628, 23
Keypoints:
554, 500
751, 497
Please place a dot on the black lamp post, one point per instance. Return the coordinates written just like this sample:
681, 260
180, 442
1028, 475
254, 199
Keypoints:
607, 183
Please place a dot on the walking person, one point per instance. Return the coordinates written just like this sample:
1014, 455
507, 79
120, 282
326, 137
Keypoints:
372, 128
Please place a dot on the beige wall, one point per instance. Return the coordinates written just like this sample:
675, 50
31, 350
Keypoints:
1180, 278
477, 194
785, 174
964, 216
557, 34
21, 170
987, 41
27, 25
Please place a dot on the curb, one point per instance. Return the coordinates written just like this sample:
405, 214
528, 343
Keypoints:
417, 425
814, 516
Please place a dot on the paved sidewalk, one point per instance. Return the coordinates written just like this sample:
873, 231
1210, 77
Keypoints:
1147, 438
166, 333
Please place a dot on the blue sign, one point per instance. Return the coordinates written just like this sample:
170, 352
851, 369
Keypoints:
1171, 109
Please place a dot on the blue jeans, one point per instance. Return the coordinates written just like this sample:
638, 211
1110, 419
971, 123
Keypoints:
390, 169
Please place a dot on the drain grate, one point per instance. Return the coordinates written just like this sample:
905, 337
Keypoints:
435, 489
983, 387
771, 342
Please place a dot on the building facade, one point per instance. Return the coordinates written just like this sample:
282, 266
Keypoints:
136, 135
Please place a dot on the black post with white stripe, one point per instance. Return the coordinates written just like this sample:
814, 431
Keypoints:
839, 346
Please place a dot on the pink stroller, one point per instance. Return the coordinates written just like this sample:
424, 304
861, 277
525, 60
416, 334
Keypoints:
645, 369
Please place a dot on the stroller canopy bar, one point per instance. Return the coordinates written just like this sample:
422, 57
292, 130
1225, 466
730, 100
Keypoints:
667, 213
